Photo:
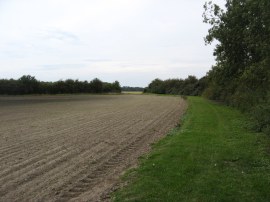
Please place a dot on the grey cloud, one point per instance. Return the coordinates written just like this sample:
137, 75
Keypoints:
98, 60
60, 35
62, 66
11, 54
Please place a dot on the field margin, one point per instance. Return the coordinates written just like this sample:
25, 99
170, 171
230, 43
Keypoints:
213, 156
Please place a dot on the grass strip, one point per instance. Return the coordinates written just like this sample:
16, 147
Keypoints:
212, 157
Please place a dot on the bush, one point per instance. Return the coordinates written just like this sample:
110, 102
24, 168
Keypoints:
261, 118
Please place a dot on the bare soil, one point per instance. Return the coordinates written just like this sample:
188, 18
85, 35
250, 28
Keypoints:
61, 148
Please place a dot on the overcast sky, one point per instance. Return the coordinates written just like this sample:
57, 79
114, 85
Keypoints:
132, 41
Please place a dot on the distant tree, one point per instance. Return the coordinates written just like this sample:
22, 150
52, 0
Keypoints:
9, 87
28, 84
96, 85
128, 88
157, 86
116, 87
188, 86
69, 86
107, 87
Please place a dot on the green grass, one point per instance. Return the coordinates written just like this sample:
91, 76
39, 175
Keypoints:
212, 157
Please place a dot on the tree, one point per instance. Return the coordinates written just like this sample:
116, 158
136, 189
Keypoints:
96, 85
241, 76
188, 86
157, 86
243, 35
116, 87
28, 84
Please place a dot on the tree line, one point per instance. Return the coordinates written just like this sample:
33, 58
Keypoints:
129, 88
28, 84
188, 86
241, 76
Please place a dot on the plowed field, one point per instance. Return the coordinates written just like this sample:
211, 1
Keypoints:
60, 148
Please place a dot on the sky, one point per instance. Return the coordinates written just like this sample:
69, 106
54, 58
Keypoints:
132, 41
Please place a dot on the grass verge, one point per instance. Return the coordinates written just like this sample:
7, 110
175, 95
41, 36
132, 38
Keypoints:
212, 157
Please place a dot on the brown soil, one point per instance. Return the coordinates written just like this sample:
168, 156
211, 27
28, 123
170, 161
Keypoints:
60, 148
